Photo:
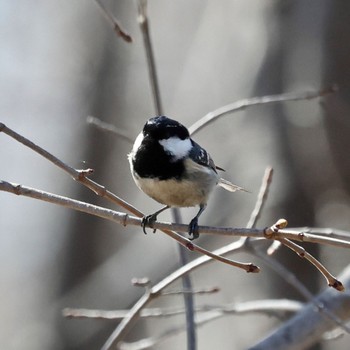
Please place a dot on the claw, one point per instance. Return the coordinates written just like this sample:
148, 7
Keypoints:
193, 226
193, 229
148, 220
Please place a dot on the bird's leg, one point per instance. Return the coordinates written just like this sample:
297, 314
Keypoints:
149, 220
193, 226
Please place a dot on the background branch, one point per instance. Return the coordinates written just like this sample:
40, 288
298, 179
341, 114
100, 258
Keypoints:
114, 22
307, 327
249, 102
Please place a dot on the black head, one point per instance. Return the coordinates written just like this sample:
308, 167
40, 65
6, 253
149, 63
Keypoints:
162, 127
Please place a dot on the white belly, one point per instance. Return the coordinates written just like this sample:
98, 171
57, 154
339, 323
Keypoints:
192, 191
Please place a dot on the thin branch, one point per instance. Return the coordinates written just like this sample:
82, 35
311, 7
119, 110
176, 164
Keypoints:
287, 275
114, 22
152, 71
262, 197
117, 217
101, 125
254, 101
329, 232
191, 291
127, 323
77, 175
208, 313
294, 282
268, 307
331, 280
306, 328
169, 228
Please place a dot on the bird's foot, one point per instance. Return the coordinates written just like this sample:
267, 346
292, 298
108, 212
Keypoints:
193, 229
148, 220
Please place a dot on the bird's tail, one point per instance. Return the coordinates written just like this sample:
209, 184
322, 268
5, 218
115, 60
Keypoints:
228, 186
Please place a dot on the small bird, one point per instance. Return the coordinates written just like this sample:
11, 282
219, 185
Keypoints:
171, 168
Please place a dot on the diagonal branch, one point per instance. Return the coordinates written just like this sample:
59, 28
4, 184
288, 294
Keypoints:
249, 102
120, 218
169, 228
306, 328
331, 280
77, 175
114, 23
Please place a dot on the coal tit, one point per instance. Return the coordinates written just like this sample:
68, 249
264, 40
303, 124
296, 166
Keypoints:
174, 170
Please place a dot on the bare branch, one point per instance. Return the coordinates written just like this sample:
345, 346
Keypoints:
120, 218
254, 101
329, 232
152, 71
269, 307
114, 23
331, 280
101, 125
77, 175
169, 228
306, 328
261, 199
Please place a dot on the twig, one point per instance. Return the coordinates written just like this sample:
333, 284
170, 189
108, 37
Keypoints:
114, 23
133, 314
249, 102
329, 232
120, 218
101, 125
192, 291
294, 282
331, 280
307, 327
282, 223
269, 307
208, 314
152, 72
77, 175
261, 199
169, 228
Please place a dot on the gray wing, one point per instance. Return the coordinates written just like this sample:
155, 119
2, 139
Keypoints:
201, 156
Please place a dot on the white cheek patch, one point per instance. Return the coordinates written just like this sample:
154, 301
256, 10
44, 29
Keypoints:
176, 147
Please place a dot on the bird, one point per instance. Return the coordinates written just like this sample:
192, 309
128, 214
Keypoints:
171, 168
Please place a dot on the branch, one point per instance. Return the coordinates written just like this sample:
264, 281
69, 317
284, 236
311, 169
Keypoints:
262, 197
117, 217
294, 282
268, 307
77, 175
331, 280
114, 23
207, 313
328, 232
101, 125
254, 101
152, 71
169, 228
307, 327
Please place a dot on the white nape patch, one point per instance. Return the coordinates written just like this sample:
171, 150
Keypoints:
176, 147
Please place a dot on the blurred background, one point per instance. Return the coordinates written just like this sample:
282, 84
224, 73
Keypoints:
60, 62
